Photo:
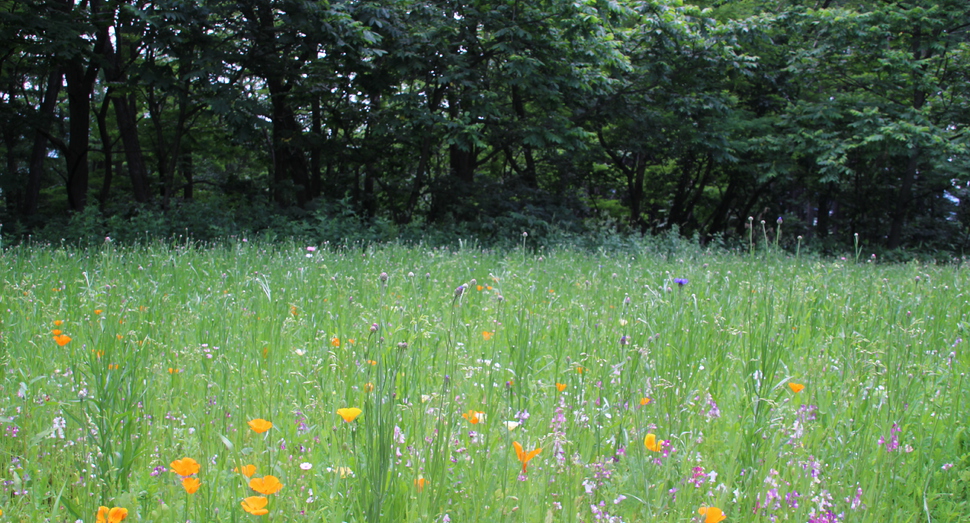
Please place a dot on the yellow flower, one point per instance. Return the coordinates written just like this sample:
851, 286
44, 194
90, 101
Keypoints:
191, 484
473, 416
713, 514
512, 425
560, 387
260, 425
255, 505
525, 457
266, 485
652, 444
185, 467
796, 387
344, 472
349, 414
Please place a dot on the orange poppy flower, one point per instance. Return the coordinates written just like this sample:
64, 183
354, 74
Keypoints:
560, 387
185, 467
645, 400
525, 457
57, 332
652, 444
372, 362
255, 505
58, 323
113, 515
62, 339
191, 484
335, 341
420, 483
479, 287
473, 416
713, 514
260, 425
266, 485
796, 387
173, 370
349, 414
98, 311
487, 335
246, 470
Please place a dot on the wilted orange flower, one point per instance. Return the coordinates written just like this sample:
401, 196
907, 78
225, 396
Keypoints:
560, 387
487, 335
714, 514
58, 323
473, 416
293, 310
260, 425
255, 505
266, 485
112, 366
525, 457
191, 484
796, 387
652, 444
372, 362
349, 414
118, 336
113, 515
97, 353
580, 370
645, 400
246, 470
62, 339
368, 387
185, 467
420, 483
57, 332
335, 341
98, 311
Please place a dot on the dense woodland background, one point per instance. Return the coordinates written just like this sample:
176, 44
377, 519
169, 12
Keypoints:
487, 118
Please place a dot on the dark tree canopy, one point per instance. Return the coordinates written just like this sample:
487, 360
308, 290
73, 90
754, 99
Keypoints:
840, 118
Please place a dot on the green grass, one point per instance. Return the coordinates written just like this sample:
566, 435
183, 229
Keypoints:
251, 330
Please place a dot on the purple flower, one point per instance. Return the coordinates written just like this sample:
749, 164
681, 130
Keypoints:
681, 281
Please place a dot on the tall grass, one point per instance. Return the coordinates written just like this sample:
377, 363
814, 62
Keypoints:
174, 348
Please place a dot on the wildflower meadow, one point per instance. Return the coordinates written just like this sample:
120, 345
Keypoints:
254, 381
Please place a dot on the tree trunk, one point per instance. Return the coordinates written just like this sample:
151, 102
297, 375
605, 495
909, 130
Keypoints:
903, 197
289, 161
107, 146
316, 127
80, 82
128, 128
38, 154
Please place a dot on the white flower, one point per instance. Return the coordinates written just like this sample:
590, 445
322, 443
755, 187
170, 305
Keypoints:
306, 465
